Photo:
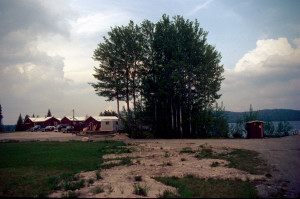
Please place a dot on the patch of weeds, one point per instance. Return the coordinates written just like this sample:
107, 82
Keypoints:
73, 185
215, 164
242, 159
67, 181
98, 189
187, 150
205, 153
167, 154
91, 181
98, 175
53, 182
167, 194
195, 187
246, 160
138, 178
121, 188
110, 188
124, 161
70, 194
164, 164
141, 190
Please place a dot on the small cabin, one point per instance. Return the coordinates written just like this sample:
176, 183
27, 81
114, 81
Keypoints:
255, 129
102, 123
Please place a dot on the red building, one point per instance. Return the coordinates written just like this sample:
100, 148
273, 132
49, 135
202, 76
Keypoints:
102, 123
43, 121
255, 129
92, 123
72, 121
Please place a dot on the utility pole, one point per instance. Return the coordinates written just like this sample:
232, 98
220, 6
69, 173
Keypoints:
73, 116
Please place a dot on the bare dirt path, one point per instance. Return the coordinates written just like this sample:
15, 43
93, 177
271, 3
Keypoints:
281, 154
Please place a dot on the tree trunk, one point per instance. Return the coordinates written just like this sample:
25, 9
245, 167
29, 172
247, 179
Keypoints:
180, 119
190, 107
172, 114
127, 95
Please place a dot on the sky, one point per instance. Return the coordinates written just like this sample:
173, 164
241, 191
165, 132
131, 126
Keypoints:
46, 50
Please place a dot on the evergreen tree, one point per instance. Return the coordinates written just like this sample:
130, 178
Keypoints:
251, 116
269, 129
20, 124
26, 117
1, 117
49, 113
108, 113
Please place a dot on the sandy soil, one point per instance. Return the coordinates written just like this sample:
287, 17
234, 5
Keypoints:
162, 158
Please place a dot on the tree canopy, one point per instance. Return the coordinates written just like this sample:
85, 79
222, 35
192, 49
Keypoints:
167, 70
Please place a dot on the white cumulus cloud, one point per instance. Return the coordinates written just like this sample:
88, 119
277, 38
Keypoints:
266, 77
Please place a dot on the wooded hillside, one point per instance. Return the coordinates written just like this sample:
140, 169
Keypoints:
268, 115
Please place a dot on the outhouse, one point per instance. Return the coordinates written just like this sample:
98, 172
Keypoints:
255, 129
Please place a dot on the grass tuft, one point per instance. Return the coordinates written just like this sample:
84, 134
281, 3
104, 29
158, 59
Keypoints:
141, 190
187, 150
98, 189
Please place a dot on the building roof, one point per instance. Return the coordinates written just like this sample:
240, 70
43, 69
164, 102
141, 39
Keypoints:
40, 119
255, 121
81, 119
103, 118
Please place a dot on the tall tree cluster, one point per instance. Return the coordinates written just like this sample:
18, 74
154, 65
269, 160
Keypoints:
167, 70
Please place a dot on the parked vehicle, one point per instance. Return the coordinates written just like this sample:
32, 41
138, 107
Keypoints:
60, 127
68, 129
79, 127
36, 128
49, 128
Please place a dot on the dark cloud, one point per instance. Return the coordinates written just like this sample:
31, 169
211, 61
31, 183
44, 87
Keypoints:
29, 77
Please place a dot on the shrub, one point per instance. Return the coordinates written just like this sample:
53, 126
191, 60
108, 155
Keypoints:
141, 190
269, 129
98, 176
98, 189
138, 178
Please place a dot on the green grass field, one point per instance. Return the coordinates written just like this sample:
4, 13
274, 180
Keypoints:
27, 169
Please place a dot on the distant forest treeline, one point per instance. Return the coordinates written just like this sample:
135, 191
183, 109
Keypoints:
268, 115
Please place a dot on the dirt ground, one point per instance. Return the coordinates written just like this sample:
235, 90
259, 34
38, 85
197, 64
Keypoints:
162, 158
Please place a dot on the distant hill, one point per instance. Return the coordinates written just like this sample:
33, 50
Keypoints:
268, 115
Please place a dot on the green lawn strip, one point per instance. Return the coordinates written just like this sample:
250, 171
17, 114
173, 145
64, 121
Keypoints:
31, 169
194, 187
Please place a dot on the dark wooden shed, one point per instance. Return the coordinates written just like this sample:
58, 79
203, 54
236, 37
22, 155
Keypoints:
255, 129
